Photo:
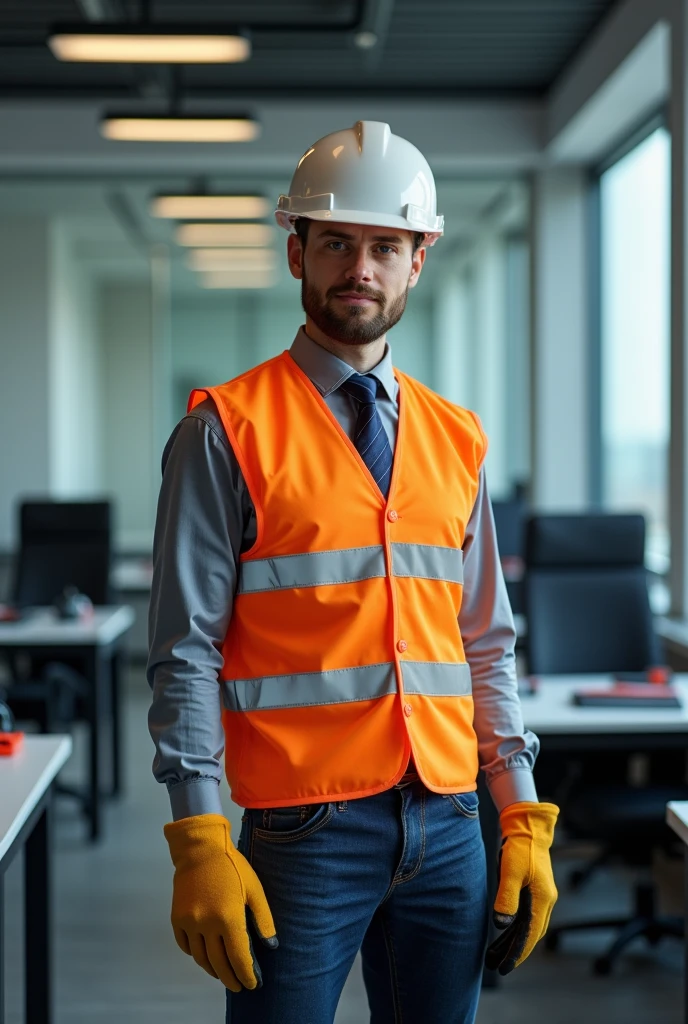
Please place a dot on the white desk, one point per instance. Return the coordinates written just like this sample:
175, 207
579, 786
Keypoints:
133, 574
563, 727
677, 819
94, 643
42, 627
550, 711
26, 780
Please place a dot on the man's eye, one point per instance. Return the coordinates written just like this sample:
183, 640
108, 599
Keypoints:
331, 245
387, 248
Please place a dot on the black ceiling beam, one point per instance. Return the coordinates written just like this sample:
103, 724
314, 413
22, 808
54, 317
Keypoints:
354, 24
246, 93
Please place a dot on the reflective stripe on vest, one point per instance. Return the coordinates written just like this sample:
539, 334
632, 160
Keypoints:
338, 686
428, 562
350, 565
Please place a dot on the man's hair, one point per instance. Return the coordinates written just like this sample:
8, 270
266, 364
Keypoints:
302, 226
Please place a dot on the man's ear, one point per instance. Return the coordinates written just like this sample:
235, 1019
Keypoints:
417, 261
295, 256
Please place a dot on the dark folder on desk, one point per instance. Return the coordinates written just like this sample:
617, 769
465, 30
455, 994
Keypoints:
629, 695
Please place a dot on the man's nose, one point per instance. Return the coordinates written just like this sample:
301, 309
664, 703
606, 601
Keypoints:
360, 269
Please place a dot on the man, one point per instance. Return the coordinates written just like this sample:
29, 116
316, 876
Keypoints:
325, 549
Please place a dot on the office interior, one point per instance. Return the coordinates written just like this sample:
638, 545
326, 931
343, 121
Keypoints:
554, 306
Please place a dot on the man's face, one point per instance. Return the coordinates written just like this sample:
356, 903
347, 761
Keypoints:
355, 279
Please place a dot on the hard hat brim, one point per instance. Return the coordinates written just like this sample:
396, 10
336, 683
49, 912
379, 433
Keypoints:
364, 217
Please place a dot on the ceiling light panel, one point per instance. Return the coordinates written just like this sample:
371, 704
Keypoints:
179, 128
145, 47
204, 235
232, 259
203, 207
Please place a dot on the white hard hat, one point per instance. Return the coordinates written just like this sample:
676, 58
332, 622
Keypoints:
364, 175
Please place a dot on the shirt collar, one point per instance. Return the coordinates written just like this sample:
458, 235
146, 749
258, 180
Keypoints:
328, 371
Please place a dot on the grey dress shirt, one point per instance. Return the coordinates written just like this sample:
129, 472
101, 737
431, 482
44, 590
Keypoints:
206, 519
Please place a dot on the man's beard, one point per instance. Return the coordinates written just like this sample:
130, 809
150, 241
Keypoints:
353, 326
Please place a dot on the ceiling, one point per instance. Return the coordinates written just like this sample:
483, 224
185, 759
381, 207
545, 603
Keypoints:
302, 49
307, 48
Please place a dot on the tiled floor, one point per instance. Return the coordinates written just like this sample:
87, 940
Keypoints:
116, 960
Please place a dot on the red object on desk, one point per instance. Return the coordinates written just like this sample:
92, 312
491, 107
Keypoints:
8, 613
659, 674
10, 742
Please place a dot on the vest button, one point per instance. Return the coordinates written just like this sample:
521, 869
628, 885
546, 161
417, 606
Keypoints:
408, 710
392, 515
402, 645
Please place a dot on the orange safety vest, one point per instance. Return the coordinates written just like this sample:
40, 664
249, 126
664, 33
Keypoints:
343, 654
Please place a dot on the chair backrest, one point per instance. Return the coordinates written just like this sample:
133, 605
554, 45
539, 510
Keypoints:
62, 543
586, 596
509, 519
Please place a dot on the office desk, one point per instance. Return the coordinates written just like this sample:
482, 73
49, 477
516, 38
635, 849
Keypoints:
96, 643
563, 727
134, 574
26, 780
677, 819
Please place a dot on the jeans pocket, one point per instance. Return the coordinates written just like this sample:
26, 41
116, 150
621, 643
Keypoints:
288, 824
467, 804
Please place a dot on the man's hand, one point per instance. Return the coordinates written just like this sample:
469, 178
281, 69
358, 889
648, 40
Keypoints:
527, 892
214, 889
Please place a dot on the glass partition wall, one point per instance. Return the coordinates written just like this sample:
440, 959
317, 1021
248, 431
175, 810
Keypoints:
141, 302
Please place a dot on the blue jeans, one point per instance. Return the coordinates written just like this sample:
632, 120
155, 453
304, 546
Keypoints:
401, 876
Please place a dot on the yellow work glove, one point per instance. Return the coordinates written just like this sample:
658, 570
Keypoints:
214, 890
527, 892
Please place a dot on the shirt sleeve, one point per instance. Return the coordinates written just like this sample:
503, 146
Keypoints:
203, 523
507, 751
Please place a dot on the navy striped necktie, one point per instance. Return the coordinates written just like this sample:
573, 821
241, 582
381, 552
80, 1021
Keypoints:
370, 437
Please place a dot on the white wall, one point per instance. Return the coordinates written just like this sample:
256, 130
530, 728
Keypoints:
411, 341
489, 360
451, 339
218, 335
560, 354
75, 374
75, 383
481, 351
131, 467
24, 377
517, 338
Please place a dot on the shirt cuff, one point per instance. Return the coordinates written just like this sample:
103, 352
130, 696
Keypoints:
513, 787
197, 796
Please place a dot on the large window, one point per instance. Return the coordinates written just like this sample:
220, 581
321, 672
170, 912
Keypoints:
634, 209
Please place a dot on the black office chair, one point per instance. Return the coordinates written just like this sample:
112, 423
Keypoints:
588, 611
510, 518
62, 543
